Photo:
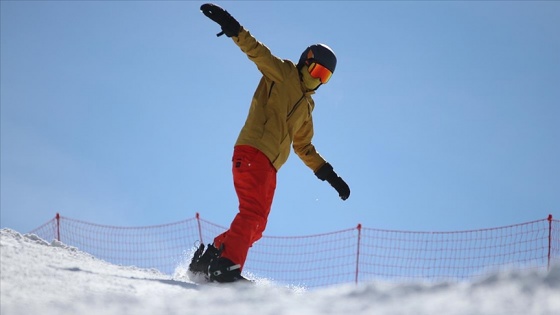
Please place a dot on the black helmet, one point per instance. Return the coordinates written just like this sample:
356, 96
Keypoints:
320, 53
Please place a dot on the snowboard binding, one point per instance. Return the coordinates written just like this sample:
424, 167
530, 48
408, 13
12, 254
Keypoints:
214, 268
201, 259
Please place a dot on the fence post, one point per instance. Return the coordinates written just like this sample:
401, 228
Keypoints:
549, 239
57, 226
199, 227
359, 227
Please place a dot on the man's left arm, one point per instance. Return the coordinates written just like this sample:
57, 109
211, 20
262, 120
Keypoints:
309, 155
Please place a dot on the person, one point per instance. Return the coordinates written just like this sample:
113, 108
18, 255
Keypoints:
279, 117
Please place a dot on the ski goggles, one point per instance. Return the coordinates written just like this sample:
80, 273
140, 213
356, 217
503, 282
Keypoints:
318, 71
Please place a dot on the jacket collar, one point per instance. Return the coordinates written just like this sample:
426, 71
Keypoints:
304, 89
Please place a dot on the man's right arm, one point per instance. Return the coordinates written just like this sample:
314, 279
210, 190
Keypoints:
270, 66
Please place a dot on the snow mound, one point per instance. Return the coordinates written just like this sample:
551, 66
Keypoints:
38, 277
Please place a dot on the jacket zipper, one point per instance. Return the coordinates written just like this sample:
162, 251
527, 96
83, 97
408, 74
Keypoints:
296, 105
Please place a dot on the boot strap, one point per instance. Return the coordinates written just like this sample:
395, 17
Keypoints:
230, 268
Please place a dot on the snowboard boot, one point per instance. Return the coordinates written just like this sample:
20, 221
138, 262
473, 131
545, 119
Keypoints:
201, 259
225, 270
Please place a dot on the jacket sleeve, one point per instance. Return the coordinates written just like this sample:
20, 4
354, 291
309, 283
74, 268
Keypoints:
269, 65
305, 149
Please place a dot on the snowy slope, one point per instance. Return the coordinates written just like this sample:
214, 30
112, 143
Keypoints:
43, 278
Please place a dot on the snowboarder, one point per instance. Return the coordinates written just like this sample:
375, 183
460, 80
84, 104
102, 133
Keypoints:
279, 117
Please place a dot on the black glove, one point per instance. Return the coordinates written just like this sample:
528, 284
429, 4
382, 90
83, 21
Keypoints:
229, 25
326, 172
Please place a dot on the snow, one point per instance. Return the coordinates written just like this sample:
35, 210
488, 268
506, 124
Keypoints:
38, 277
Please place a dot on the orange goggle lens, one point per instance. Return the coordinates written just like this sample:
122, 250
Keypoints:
319, 72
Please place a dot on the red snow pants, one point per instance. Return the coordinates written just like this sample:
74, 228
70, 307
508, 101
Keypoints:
254, 178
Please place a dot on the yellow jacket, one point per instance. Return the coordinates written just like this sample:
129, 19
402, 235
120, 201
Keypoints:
280, 113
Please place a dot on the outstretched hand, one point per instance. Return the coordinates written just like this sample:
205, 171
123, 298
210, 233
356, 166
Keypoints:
326, 172
228, 23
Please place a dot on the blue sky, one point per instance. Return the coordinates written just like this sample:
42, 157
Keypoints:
440, 116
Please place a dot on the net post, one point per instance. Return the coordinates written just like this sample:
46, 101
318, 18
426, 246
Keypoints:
359, 227
199, 227
549, 239
57, 217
